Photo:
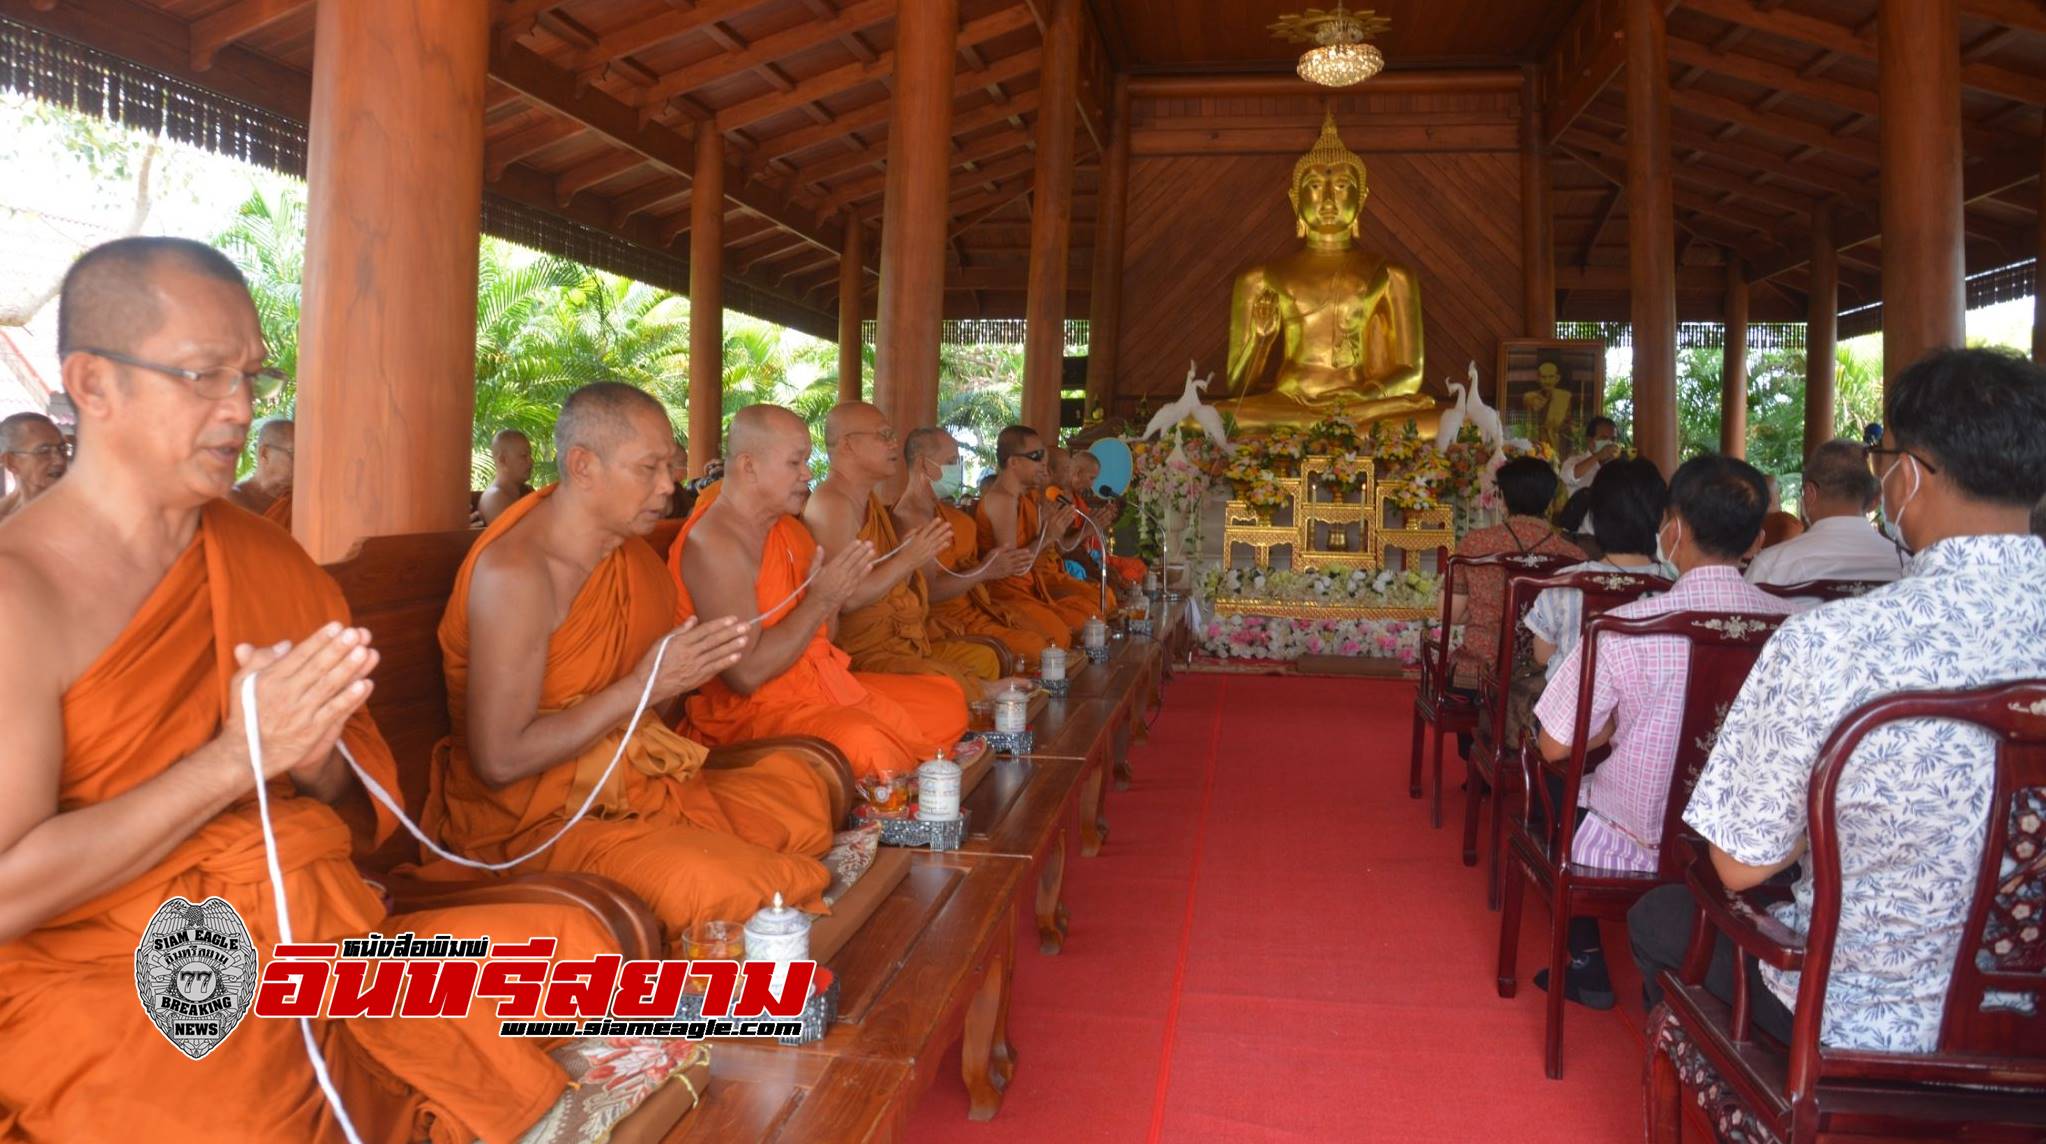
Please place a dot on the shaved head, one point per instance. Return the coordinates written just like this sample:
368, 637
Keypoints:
599, 416
504, 437
278, 433
27, 430
850, 417
759, 428
108, 300
928, 442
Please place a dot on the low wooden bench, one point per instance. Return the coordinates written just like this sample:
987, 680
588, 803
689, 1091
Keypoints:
922, 945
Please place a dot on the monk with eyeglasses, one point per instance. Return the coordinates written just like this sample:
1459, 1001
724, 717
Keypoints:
34, 454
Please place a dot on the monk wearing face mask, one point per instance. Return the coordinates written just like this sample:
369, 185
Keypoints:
958, 577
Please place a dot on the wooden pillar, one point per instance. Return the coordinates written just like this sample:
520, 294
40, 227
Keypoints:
914, 213
1651, 235
1537, 227
1051, 221
1104, 316
387, 360
707, 300
1733, 371
1925, 300
852, 277
2039, 268
1821, 332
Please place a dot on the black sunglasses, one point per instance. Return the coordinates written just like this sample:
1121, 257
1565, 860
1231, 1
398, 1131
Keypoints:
1032, 455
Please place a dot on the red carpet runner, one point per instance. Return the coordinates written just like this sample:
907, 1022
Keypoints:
1274, 945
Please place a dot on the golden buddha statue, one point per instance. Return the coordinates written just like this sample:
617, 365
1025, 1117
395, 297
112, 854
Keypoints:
1345, 323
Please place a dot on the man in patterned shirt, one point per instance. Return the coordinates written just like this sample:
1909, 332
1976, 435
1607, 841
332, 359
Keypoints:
1713, 522
1962, 462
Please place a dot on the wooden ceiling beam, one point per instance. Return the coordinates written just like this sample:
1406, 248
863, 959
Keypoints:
1846, 96
549, 86
1781, 126
581, 177
1822, 33
1760, 158
1698, 175
980, 151
875, 114
1589, 52
2023, 15
855, 17
1980, 180
525, 142
876, 154
654, 31
852, 75
665, 194
1616, 173
216, 30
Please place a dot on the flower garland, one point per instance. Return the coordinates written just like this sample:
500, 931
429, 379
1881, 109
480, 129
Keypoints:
1386, 588
1277, 639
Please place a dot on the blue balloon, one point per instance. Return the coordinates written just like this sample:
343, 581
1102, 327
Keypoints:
1115, 466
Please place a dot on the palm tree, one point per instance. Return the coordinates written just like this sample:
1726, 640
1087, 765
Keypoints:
267, 241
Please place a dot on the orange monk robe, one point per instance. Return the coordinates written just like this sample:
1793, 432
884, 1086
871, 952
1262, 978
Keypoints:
78, 1057
893, 634
1026, 631
695, 844
1047, 584
279, 512
885, 724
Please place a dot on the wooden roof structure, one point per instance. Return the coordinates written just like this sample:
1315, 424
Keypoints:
592, 106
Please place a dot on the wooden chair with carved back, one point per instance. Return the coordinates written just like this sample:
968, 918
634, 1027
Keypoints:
1985, 1079
1490, 757
1824, 591
1600, 592
398, 587
1721, 650
1438, 710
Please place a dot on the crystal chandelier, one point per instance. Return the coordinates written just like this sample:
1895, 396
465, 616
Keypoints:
1340, 57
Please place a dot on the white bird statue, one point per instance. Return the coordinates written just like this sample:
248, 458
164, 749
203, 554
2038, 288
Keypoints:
1452, 418
1188, 404
1482, 415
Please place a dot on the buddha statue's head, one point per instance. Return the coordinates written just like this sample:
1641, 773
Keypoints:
1328, 189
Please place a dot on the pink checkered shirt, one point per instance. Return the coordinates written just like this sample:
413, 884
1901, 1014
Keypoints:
1640, 686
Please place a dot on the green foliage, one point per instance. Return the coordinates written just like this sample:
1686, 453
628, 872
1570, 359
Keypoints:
545, 326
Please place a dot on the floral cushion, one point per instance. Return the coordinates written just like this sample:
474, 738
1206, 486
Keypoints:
609, 1078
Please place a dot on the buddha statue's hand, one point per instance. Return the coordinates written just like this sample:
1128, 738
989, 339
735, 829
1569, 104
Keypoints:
1264, 313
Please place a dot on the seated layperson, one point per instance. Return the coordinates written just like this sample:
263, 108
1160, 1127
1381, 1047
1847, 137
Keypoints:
885, 624
746, 554
1628, 498
1714, 521
148, 599
1012, 514
960, 602
1527, 485
1839, 543
1962, 461
547, 642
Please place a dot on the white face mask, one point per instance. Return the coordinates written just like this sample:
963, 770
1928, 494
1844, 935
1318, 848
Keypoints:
1893, 522
1662, 555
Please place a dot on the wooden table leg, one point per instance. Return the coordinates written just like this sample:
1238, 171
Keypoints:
1051, 904
1093, 799
986, 1059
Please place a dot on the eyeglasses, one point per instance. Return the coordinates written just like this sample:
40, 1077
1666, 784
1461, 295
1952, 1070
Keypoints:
214, 384
1032, 455
44, 452
885, 436
1875, 451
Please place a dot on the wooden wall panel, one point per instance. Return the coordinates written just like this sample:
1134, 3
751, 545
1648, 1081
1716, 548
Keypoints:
1207, 199
1196, 220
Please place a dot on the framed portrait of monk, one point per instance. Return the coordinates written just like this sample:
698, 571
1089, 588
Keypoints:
1548, 386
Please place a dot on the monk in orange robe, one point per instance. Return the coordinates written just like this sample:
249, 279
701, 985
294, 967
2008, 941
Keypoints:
742, 554
279, 512
884, 625
548, 642
958, 576
129, 781
270, 481
1010, 515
